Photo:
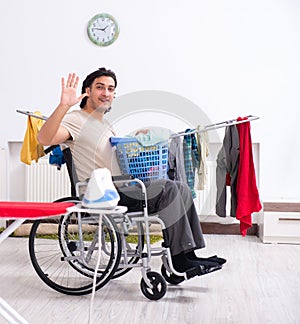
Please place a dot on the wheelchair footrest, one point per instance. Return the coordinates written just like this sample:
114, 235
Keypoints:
196, 271
201, 270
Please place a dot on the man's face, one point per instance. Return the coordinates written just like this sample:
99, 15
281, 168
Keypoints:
101, 93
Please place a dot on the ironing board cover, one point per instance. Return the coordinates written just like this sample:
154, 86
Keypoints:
16, 209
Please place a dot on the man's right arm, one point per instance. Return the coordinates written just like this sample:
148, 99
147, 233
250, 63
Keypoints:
52, 132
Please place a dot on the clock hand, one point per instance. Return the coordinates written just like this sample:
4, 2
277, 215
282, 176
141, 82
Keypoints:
102, 29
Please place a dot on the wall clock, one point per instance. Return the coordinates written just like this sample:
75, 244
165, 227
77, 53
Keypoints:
103, 29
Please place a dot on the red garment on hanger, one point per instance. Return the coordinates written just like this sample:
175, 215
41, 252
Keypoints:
247, 193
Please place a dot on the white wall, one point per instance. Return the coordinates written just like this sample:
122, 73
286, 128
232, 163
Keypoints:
230, 58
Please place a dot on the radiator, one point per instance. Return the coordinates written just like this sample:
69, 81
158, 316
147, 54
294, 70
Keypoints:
206, 199
44, 183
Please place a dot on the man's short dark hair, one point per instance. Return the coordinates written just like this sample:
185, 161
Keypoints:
90, 79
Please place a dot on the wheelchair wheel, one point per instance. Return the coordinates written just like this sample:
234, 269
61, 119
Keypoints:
64, 251
131, 252
159, 286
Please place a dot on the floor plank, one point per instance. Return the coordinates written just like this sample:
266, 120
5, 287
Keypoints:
260, 283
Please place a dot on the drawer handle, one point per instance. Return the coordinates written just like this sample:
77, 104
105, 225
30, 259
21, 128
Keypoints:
289, 219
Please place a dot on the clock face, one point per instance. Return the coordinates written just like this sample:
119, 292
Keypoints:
103, 29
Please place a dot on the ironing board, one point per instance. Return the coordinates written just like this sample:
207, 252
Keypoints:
20, 212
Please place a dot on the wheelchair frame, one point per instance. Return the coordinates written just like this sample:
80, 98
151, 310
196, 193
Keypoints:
67, 263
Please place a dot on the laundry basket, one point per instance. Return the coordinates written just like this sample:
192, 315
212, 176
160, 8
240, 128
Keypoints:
143, 162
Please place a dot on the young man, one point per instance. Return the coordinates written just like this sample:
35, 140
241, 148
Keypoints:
87, 134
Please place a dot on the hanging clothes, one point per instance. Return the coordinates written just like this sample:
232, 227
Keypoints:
203, 151
191, 159
31, 148
248, 200
56, 157
187, 157
176, 160
227, 171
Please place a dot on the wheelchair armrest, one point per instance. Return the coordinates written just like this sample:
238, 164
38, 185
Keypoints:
123, 177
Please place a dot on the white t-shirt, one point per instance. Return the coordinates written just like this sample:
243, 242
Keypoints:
90, 145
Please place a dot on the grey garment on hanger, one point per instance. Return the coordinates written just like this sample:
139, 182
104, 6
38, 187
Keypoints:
227, 162
176, 159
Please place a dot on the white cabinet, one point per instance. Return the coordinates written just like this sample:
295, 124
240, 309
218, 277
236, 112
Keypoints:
3, 178
280, 223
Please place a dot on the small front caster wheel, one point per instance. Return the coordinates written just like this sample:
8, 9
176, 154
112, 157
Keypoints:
159, 286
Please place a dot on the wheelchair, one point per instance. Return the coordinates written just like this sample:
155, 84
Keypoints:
84, 249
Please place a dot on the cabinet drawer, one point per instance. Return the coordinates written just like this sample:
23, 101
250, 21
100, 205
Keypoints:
280, 227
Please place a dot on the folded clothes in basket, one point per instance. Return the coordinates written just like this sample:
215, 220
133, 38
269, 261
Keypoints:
154, 136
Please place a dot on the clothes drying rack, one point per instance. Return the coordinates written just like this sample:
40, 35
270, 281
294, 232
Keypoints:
31, 114
222, 124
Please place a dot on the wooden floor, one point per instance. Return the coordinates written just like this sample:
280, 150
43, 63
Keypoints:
259, 284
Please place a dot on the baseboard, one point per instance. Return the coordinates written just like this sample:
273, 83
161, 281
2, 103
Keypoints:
229, 229
210, 228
